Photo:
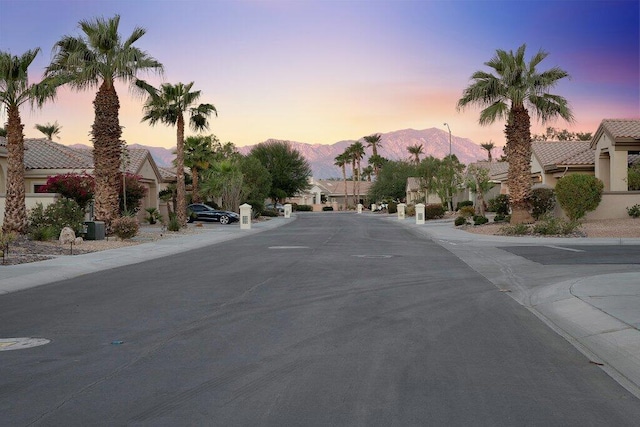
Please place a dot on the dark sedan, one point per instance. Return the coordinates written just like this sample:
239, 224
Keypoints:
202, 212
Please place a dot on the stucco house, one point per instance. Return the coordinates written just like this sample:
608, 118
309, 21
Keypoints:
415, 193
331, 193
44, 158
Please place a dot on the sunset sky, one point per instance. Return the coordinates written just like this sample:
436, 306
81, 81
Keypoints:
323, 71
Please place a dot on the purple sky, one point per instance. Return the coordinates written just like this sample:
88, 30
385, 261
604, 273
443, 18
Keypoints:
325, 71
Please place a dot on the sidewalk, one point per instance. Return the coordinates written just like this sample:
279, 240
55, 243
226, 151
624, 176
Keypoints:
594, 307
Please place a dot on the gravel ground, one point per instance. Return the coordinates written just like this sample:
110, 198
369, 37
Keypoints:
617, 228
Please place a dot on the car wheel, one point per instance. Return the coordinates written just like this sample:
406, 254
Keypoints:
224, 219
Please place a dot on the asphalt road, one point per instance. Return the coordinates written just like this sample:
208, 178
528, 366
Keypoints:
331, 320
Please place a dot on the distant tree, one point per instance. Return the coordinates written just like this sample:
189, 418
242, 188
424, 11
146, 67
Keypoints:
448, 178
225, 180
427, 172
341, 161
356, 151
256, 182
478, 182
50, 130
290, 171
415, 151
198, 156
584, 136
392, 182
516, 89
15, 91
488, 146
367, 171
373, 141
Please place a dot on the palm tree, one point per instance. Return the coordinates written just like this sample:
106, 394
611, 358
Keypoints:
356, 151
373, 141
515, 89
168, 105
415, 151
488, 146
198, 156
367, 171
341, 161
15, 91
50, 130
98, 59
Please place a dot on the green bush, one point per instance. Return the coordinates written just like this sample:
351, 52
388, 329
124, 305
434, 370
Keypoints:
392, 207
500, 218
552, 226
42, 233
327, 208
543, 200
462, 204
467, 211
433, 211
633, 177
153, 216
634, 211
62, 213
173, 224
515, 230
270, 212
460, 221
480, 219
410, 210
579, 194
304, 208
125, 227
499, 204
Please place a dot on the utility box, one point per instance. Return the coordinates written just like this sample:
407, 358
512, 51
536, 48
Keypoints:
94, 230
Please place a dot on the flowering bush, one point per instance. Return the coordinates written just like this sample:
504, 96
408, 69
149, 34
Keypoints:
125, 227
79, 187
135, 192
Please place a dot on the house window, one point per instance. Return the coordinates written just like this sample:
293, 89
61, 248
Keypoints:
39, 188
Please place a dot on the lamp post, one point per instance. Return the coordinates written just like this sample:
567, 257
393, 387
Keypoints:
447, 125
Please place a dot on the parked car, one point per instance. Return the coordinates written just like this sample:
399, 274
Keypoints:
202, 212
278, 206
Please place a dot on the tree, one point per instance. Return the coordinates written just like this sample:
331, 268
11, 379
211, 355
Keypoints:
392, 182
168, 105
341, 161
198, 156
427, 172
415, 151
50, 130
488, 146
448, 178
15, 91
256, 182
517, 88
478, 182
374, 142
289, 170
98, 59
134, 191
225, 180
356, 152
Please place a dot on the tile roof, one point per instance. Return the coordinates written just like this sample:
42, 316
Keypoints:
167, 174
336, 188
495, 168
553, 153
622, 128
44, 154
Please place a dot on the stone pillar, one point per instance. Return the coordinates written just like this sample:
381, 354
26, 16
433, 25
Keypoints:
245, 217
359, 208
401, 208
287, 210
420, 213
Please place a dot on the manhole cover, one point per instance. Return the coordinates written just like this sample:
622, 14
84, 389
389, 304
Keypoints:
373, 256
7, 344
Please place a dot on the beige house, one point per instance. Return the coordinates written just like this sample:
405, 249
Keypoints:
551, 160
44, 158
416, 193
323, 193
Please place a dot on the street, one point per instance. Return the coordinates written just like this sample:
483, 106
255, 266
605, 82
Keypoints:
333, 319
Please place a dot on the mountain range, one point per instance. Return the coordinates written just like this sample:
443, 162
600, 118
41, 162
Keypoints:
393, 146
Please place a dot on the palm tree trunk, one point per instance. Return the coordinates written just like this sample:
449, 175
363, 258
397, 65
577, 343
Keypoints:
181, 210
15, 214
107, 148
195, 194
344, 177
518, 135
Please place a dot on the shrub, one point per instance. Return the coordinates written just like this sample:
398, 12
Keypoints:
467, 211
42, 233
515, 230
634, 211
270, 212
462, 204
499, 218
62, 213
480, 219
543, 200
79, 187
327, 208
304, 208
135, 192
154, 215
579, 194
392, 207
633, 177
125, 227
433, 211
173, 224
552, 226
499, 204
460, 221
410, 210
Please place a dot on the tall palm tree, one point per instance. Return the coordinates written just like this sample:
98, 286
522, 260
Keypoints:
356, 150
97, 59
516, 88
341, 161
415, 151
373, 141
198, 156
168, 105
50, 130
488, 146
15, 91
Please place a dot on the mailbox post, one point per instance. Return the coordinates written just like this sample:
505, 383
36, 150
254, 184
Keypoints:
245, 217
401, 210
359, 208
287, 210
420, 213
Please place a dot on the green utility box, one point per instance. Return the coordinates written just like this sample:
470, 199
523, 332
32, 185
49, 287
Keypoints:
95, 230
